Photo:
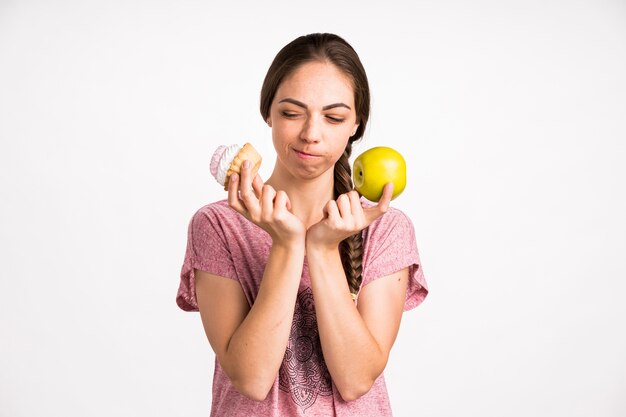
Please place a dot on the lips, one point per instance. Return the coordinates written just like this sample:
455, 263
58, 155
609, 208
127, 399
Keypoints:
303, 154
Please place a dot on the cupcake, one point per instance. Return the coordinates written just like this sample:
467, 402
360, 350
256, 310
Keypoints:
228, 159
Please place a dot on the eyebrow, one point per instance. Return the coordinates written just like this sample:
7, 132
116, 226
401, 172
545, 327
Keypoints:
304, 106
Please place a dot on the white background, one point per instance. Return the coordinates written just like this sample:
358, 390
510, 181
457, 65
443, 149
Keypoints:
511, 115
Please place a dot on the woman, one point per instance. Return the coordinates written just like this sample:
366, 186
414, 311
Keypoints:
300, 284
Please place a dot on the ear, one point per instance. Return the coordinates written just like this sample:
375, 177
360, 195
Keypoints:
269, 121
354, 129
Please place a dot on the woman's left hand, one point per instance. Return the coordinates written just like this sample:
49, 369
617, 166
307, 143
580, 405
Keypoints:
344, 217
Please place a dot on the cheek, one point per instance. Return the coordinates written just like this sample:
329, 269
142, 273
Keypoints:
345, 129
284, 128
282, 137
340, 146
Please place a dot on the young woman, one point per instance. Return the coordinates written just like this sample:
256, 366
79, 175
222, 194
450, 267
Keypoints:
301, 284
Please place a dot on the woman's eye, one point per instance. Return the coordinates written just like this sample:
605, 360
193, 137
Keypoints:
335, 119
289, 115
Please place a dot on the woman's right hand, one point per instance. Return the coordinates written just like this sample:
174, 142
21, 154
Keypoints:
264, 206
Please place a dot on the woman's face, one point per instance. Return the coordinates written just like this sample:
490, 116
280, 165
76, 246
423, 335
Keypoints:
312, 117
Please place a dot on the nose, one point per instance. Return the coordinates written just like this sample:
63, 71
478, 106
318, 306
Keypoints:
311, 130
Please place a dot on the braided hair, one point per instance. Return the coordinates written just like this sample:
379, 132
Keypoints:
351, 248
334, 49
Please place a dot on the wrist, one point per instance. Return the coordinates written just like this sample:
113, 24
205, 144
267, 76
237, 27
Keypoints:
321, 248
295, 244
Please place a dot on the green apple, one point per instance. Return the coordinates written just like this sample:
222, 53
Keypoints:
376, 167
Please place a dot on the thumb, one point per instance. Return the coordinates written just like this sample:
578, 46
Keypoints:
372, 213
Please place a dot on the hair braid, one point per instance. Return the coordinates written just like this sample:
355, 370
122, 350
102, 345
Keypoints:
351, 248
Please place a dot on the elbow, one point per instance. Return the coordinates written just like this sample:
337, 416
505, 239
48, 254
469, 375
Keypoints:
253, 389
253, 394
254, 384
354, 390
352, 387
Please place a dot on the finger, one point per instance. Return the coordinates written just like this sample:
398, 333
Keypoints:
343, 204
267, 203
331, 211
282, 205
246, 175
358, 215
287, 202
355, 203
282, 201
257, 185
384, 201
246, 192
233, 195
372, 213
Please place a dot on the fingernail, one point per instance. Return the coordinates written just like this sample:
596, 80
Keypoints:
234, 177
246, 164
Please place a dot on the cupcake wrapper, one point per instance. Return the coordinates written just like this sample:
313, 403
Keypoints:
247, 152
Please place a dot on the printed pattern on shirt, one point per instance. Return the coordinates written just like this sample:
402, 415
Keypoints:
303, 373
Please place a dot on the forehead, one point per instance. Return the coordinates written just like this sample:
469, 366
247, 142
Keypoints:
317, 83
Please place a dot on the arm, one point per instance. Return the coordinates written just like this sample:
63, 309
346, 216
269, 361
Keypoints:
250, 342
356, 347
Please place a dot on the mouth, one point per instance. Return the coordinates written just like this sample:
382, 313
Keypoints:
305, 155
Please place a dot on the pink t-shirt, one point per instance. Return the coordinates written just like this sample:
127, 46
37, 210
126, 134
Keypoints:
224, 243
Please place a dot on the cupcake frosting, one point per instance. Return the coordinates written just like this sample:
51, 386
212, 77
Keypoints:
221, 161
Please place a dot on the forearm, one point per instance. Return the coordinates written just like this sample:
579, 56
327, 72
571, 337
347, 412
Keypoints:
353, 357
256, 349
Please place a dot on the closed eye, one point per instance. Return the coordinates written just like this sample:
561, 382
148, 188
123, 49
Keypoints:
289, 115
335, 119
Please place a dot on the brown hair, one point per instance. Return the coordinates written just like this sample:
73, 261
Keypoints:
330, 48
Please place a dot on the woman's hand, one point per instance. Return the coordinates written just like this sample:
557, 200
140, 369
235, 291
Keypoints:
344, 217
264, 206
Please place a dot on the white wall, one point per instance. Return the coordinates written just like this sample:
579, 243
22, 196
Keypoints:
511, 115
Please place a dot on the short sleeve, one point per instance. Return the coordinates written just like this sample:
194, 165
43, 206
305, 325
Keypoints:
207, 250
390, 246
